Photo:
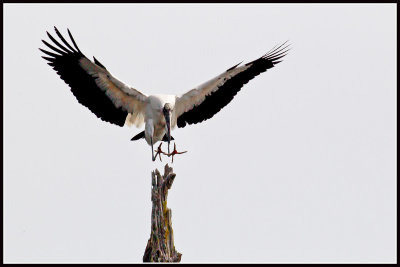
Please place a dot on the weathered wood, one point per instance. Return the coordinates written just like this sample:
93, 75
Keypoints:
160, 247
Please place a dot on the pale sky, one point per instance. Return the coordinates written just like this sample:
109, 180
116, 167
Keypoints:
299, 167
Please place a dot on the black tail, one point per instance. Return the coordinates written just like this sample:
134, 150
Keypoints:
165, 138
141, 135
138, 136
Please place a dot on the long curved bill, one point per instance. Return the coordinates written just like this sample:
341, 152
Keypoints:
168, 125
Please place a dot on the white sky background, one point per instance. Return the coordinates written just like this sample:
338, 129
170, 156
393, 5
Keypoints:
299, 167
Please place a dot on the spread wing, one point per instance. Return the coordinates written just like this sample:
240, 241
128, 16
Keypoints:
93, 85
206, 100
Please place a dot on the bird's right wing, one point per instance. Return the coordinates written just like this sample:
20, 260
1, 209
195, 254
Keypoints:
94, 86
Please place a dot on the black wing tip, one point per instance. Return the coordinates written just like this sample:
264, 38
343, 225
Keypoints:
53, 48
50, 59
278, 52
73, 41
58, 47
56, 29
274, 54
64, 41
48, 34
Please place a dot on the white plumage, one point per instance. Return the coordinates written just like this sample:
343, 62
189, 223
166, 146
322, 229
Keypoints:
117, 103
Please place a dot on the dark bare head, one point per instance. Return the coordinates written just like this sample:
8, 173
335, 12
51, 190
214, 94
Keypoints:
167, 107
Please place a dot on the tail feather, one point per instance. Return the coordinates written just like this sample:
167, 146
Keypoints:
165, 138
138, 136
141, 135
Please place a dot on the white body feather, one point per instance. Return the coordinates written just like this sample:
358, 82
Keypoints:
140, 108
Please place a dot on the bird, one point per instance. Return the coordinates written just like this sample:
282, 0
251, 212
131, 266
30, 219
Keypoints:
113, 101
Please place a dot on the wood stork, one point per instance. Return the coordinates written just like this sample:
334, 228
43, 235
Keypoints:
117, 103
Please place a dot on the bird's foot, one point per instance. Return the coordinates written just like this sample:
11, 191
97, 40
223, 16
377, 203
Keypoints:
173, 153
159, 152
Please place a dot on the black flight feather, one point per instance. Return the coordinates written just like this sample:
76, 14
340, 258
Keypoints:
214, 102
82, 85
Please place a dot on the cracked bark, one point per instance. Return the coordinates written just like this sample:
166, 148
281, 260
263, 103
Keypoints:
160, 247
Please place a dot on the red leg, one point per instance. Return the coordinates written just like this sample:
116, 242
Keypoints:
158, 152
173, 153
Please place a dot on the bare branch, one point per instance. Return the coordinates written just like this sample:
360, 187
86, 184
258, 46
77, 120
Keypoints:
160, 247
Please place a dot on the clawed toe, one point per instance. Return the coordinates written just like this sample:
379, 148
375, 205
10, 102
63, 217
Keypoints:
173, 153
158, 152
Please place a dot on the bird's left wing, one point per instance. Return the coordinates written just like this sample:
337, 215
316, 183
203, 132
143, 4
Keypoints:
206, 100
93, 85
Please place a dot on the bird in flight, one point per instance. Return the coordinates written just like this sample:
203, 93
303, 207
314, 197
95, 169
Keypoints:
115, 102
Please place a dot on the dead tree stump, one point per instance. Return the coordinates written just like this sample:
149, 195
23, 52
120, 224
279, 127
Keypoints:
160, 247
